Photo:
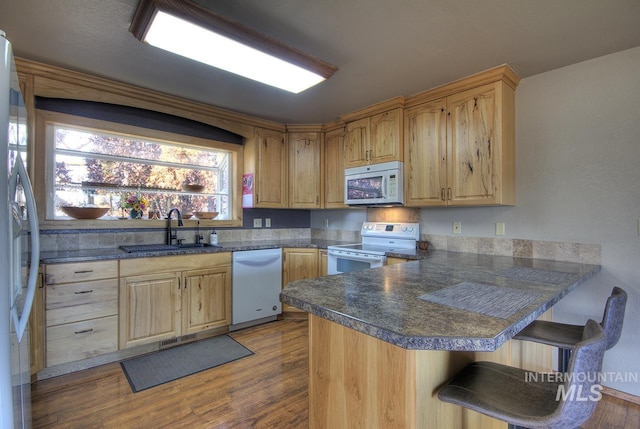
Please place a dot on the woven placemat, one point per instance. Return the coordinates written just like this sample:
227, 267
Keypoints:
481, 298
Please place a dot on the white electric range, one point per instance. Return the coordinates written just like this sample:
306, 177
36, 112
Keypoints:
378, 238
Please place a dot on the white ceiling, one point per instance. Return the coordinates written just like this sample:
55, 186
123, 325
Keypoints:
383, 48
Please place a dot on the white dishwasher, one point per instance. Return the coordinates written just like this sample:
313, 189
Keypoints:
256, 285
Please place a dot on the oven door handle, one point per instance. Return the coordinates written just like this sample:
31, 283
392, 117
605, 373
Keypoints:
374, 258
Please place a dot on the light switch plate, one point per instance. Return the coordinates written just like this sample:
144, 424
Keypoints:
499, 228
257, 223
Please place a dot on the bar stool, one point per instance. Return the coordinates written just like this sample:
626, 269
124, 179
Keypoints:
565, 336
531, 399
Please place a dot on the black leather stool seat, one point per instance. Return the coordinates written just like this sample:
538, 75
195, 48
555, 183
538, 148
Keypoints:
555, 334
523, 398
566, 336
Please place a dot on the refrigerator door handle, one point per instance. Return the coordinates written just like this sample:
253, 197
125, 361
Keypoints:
19, 171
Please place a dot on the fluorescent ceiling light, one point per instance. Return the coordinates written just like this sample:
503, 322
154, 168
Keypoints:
190, 30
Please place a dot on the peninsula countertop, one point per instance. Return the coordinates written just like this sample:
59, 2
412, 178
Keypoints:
443, 301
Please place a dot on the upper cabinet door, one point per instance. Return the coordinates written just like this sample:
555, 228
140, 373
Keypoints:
334, 160
374, 139
357, 143
271, 174
475, 146
385, 142
425, 156
304, 168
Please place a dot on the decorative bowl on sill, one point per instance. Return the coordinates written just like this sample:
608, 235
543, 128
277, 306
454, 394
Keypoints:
192, 187
205, 215
84, 212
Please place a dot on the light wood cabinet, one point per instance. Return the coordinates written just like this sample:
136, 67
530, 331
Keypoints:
266, 156
81, 311
36, 329
149, 308
357, 143
334, 164
323, 267
304, 170
173, 296
392, 261
374, 139
386, 137
459, 142
425, 168
206, 299
298, 264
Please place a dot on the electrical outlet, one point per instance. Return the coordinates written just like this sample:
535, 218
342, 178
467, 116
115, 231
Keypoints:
326, 223
499, 228
257, 223
457, 227
267, 222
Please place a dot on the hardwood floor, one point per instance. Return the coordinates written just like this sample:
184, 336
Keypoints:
265, 390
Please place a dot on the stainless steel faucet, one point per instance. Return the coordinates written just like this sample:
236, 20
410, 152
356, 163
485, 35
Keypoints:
173, 235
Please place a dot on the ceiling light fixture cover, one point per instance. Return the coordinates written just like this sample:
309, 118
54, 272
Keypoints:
188, 29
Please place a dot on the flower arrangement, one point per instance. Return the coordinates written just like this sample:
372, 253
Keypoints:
137, 204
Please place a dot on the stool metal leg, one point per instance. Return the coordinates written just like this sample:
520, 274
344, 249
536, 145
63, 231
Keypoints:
563, 359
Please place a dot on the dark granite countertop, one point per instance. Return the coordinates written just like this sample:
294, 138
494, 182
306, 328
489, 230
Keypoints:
60, 257
499, 296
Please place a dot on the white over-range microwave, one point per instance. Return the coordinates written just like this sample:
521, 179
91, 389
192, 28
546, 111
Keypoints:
376, 184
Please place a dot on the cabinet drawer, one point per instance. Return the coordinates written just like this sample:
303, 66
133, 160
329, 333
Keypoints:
80, 272
82, 340
74, 302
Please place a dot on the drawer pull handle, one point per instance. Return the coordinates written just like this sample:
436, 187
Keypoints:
84, 331
83, 291
83, 272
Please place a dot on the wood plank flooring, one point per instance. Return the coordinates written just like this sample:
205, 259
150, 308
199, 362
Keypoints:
266, 390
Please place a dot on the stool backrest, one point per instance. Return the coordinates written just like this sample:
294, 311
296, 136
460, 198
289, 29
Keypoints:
614, 316
583, 374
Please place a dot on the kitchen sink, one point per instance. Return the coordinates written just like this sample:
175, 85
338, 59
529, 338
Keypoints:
193, 245
135, 248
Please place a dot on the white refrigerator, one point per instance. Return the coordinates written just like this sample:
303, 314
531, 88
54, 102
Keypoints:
19, 249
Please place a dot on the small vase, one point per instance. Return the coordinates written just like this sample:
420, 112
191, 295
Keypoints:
135, 214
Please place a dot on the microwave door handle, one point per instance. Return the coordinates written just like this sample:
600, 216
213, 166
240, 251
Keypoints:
385, 181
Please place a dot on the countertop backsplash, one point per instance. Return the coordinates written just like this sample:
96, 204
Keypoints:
57, 240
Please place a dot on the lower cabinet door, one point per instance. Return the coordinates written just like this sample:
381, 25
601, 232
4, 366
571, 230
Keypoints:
206, 299
149, 308
81, 340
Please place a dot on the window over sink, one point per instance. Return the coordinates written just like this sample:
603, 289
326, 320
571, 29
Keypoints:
98, 163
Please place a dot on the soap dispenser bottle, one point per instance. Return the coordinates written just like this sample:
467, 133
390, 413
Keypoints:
213, 237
